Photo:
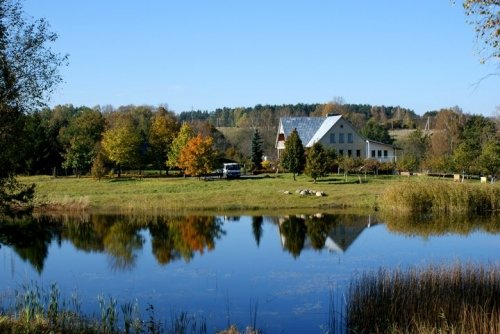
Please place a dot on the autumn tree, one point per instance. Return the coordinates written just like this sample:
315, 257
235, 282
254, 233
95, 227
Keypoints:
257, 151
316, 161
164, 129
178, 144
121, 144
293, 158
28, 75
198, 156
446, 132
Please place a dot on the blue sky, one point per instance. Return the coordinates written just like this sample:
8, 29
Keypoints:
205, 55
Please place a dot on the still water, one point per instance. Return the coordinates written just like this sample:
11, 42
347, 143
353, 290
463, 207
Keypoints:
226, 270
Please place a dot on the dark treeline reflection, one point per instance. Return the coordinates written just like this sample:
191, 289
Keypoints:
174, 238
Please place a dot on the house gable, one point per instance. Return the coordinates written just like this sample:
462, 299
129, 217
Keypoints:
333, 131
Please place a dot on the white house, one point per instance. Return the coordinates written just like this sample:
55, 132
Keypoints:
333, 131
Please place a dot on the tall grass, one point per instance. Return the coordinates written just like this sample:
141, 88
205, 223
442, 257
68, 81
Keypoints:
441, 196
459, 299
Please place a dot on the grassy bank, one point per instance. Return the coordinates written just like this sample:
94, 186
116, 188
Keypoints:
461, 299
441, 197
191, 194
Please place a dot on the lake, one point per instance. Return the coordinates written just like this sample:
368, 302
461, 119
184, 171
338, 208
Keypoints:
281, 271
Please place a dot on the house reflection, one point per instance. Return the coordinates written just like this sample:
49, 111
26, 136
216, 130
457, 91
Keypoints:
334, 233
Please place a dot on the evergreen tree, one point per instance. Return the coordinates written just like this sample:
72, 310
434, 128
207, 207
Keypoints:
257, 151
374, 131
316, 161
293, 158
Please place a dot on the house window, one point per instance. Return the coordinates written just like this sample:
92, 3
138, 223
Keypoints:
373, 153
332, 138
341, 152
385, 153
349, 137
349, 153
379, 153
358, 153
341, 138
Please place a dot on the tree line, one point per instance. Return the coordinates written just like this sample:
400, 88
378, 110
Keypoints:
78, 140
267, 116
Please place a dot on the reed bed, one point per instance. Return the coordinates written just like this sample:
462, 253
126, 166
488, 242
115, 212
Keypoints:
458, 299
441, 196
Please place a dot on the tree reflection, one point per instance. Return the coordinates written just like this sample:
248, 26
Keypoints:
29, 238
122, 242
117, 236
183, 237
257, 222
293, 230
333, 232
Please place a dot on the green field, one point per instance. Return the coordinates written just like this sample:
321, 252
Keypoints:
265, 194
169, 194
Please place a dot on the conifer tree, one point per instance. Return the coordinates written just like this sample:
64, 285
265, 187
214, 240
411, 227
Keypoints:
293, 158
257, 151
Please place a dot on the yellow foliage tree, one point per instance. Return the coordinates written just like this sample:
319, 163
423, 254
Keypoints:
121, 145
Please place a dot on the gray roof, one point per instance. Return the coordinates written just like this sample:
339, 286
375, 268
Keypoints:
306, 126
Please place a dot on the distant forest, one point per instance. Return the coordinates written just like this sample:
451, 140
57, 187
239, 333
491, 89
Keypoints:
267, 116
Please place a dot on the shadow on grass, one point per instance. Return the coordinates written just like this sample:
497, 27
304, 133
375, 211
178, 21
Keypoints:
125, 179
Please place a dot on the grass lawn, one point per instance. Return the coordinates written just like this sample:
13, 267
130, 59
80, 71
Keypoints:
167, 194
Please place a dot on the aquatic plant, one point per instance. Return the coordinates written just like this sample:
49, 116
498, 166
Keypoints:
458, 299
441, 196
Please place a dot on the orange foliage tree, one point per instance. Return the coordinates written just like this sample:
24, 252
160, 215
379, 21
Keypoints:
198, 156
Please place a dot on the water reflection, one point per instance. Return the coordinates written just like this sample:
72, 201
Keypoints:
333, 232
175, 238
428, 225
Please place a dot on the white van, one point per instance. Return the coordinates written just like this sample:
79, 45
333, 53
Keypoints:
231, 170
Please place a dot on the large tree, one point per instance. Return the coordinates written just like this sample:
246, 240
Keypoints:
484, 15
164, 128
293, 158
121, 144
81, 138
178, 144
198, 156
28, 74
